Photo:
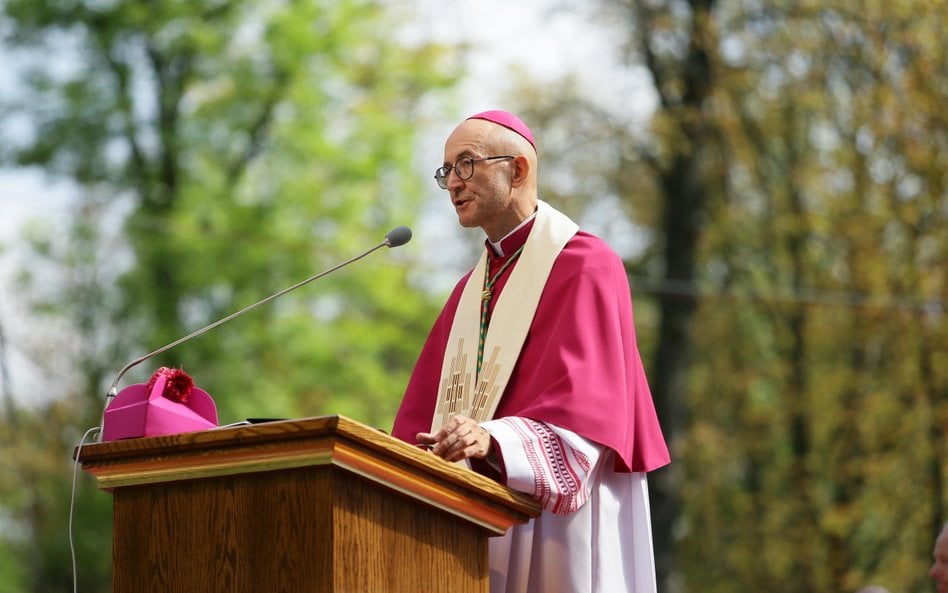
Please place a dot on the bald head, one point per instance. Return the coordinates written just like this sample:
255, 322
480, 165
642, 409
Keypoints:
501, 190
487, 138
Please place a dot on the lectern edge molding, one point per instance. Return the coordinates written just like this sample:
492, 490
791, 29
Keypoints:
326, 440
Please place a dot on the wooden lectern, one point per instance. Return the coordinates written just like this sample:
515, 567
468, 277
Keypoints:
318, 505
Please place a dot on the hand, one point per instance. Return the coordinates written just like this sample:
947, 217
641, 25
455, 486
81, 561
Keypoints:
461, 438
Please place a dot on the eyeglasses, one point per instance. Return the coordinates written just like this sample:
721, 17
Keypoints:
463, 168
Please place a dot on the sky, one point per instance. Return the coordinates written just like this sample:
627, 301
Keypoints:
538, 35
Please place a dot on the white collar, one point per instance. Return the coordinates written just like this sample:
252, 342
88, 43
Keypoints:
496, 245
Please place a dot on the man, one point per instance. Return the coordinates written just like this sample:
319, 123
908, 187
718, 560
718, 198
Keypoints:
939, 570
532, 375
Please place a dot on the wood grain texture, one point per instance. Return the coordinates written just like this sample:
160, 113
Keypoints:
411, 548
327, 440
319, 504
239, 534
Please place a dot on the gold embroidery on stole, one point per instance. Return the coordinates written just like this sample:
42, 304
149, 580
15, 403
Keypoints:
487, 390
478, 397
456, 386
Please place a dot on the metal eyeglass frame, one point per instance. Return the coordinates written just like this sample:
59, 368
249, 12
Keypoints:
441, 173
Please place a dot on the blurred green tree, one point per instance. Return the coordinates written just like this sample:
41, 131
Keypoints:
221, 151
789, 194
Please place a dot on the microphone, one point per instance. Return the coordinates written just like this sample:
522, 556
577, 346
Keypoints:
396, 237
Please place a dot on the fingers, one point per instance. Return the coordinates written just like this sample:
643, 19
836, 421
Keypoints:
460, 445
425, 438
460, 438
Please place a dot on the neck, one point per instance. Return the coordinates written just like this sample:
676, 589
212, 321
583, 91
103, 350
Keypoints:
516, 217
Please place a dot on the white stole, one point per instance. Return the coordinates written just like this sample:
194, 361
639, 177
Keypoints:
510, 322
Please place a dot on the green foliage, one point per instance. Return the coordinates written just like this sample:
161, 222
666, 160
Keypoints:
814, 390
35, 489
246, 146
830, 421
240, 147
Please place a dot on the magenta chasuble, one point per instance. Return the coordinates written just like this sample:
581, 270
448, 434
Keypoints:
579, 367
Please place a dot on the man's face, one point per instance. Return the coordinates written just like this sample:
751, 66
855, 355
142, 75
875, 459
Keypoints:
484, 200
939, 569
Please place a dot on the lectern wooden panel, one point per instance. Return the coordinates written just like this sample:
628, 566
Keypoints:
317, 505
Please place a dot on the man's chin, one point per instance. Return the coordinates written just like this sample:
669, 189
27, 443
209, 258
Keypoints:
466, 219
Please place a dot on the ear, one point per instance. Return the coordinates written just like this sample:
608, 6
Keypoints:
521, 171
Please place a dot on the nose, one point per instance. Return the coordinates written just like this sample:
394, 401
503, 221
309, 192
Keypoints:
452, 180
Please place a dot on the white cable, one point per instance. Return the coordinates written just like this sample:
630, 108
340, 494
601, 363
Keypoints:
72, 505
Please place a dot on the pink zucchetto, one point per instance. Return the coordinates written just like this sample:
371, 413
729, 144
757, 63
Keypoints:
509, 121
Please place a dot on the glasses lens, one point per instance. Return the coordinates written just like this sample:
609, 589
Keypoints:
441, 176
464, 167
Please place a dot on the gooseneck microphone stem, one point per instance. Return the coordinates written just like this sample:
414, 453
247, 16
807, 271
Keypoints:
394, 238
134, 363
